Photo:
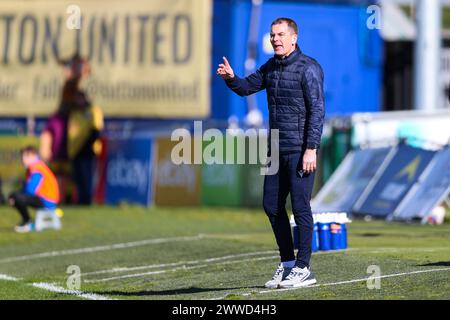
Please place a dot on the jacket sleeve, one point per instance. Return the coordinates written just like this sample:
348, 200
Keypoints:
312, 84
250, 84
33, 183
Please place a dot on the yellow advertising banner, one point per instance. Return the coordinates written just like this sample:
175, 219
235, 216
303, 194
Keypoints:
175, 185
148, 57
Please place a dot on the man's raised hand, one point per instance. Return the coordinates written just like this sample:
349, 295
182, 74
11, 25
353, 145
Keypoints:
224, 70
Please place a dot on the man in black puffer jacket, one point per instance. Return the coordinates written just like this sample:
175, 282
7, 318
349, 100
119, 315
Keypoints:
294, 86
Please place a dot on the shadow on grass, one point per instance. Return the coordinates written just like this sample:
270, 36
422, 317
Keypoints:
369, 235
189, 290
436, 264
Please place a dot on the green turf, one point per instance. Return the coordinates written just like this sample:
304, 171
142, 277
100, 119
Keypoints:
395, 248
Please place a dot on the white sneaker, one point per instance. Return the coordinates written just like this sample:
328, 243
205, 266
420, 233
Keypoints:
24, 228
298, 277
280, 274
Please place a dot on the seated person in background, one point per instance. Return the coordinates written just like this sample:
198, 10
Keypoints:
40, 189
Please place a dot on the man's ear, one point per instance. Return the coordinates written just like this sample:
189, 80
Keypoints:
294, 40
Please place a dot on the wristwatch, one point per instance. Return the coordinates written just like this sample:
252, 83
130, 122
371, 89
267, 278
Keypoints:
312, 146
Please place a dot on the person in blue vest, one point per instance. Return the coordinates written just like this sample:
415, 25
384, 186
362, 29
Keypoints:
294, 85
41, 189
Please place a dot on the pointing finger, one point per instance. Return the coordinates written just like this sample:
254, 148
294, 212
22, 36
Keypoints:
226, 62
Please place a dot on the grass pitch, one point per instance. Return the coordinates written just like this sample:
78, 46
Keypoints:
211, 253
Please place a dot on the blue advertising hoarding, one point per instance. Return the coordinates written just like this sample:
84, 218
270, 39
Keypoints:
349, 180
129, 170
391, 184
330, 32
431, 189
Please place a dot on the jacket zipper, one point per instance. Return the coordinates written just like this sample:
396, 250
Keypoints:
276, 94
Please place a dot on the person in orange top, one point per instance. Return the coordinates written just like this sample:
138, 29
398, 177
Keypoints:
40, 188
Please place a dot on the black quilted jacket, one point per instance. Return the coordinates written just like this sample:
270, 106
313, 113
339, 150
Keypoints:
295, 98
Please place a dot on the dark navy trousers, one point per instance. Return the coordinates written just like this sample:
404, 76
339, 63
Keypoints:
276, 189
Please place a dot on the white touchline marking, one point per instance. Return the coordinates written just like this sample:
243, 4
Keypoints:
54, 288
351, 281
423, 249
115, 246
216, 261
100, 248
184, 267
183, 263
8, 278
174, 264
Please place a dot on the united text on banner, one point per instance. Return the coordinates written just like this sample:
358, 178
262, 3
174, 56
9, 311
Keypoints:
149, 58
